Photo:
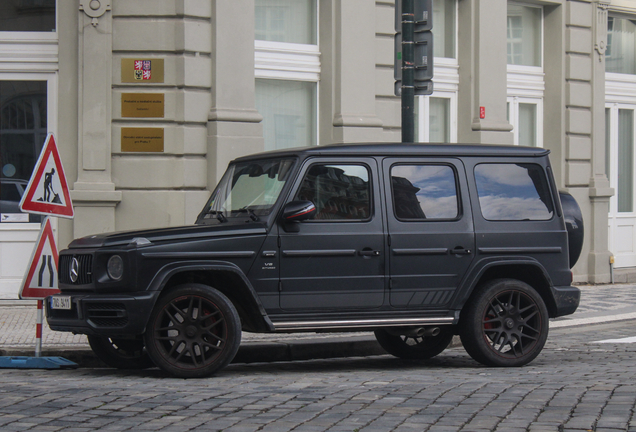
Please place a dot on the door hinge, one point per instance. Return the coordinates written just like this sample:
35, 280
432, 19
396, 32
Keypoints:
388, 239
280, 287
279, 242
390, 284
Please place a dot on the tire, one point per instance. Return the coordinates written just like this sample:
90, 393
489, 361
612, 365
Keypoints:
415, 348
121, 353
193, 331
505, 324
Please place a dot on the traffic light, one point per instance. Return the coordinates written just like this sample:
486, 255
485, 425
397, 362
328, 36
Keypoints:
422, 47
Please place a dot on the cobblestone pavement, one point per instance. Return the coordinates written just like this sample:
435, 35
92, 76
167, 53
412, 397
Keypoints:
576, 384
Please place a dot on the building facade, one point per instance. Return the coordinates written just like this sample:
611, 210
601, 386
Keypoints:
150, 99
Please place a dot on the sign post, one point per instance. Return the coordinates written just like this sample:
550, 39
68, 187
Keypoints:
47, 193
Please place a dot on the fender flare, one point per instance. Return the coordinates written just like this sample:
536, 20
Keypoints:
467, 288
250, 301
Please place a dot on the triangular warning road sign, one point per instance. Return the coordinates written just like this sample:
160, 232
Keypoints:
47, 192
40, 279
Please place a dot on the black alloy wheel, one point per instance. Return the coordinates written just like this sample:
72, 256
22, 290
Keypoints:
194, 331
414, 347
121, 353
506, 324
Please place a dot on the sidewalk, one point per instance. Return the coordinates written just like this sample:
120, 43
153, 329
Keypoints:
599, 304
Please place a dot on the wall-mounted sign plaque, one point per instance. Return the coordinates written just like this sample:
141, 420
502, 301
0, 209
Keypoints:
141, 139
141, 71
142, 105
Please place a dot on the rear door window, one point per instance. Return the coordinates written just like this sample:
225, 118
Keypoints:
424, 192
513, 192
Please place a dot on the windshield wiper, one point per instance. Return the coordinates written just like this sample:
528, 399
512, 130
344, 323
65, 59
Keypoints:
250, 212
219, 215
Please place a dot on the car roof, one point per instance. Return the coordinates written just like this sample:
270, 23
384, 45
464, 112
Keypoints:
405, 149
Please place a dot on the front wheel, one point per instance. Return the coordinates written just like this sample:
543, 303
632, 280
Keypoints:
120, 353
414, 347
194, 331
504, 324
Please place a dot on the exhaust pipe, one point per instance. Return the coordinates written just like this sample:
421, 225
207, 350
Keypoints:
415, 331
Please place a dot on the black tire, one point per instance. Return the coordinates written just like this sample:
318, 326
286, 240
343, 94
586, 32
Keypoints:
193, 331
505, 323
415, 348
121, 353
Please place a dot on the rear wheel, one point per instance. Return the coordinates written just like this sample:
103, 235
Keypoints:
120, 353
504, 324
194, 331
414, 347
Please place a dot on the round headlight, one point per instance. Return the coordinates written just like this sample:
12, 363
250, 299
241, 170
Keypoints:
115, 267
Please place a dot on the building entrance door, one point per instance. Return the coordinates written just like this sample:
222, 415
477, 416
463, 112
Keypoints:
23, 129
620, 161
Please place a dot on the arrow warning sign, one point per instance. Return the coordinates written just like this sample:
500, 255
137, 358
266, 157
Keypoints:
40, 279
47, 192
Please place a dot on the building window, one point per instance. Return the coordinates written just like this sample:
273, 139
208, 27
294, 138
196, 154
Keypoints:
524, 35
437, 114
526, 83
289, 21
287, 71
621, 46
523, 115
289, 112
625, 191
444, 24
27, 15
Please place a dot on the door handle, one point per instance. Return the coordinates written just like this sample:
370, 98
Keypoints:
460, 251
368, 252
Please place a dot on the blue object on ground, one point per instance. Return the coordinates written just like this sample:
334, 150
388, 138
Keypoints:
23, 362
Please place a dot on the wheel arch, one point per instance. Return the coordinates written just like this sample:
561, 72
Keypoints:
228, 279
529, 272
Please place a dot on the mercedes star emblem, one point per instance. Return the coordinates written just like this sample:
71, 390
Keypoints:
74, 270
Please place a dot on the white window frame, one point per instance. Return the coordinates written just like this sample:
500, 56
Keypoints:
445, 86
291, 62
423, 126
526, 85
513, 113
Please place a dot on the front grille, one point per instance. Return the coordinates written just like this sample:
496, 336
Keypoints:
85, 269
107, 314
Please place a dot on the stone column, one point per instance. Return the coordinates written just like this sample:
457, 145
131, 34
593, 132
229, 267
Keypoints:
600, 191
234, 127
348, 58
483, 77
94, 194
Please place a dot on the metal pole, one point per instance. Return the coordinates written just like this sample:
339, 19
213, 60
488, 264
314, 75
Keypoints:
408, 71
38, 331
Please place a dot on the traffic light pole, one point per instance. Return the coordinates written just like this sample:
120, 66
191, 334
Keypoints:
408, 71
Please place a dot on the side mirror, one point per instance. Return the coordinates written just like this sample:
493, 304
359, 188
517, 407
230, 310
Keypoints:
297, 211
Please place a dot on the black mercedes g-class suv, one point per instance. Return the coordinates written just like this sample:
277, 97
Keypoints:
416, 242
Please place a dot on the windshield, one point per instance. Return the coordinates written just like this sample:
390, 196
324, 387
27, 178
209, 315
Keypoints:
248, 189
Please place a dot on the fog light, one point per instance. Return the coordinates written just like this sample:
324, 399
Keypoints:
115, 267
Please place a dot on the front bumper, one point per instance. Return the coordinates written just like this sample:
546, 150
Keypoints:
567, 299
103, 315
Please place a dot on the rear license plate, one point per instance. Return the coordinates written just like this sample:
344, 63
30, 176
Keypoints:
61, 302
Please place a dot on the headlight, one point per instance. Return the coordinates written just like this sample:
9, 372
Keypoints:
115, 267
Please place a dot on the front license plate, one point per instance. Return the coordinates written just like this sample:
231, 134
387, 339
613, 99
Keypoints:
61, 302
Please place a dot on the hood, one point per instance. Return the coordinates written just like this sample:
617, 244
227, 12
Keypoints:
138, 238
